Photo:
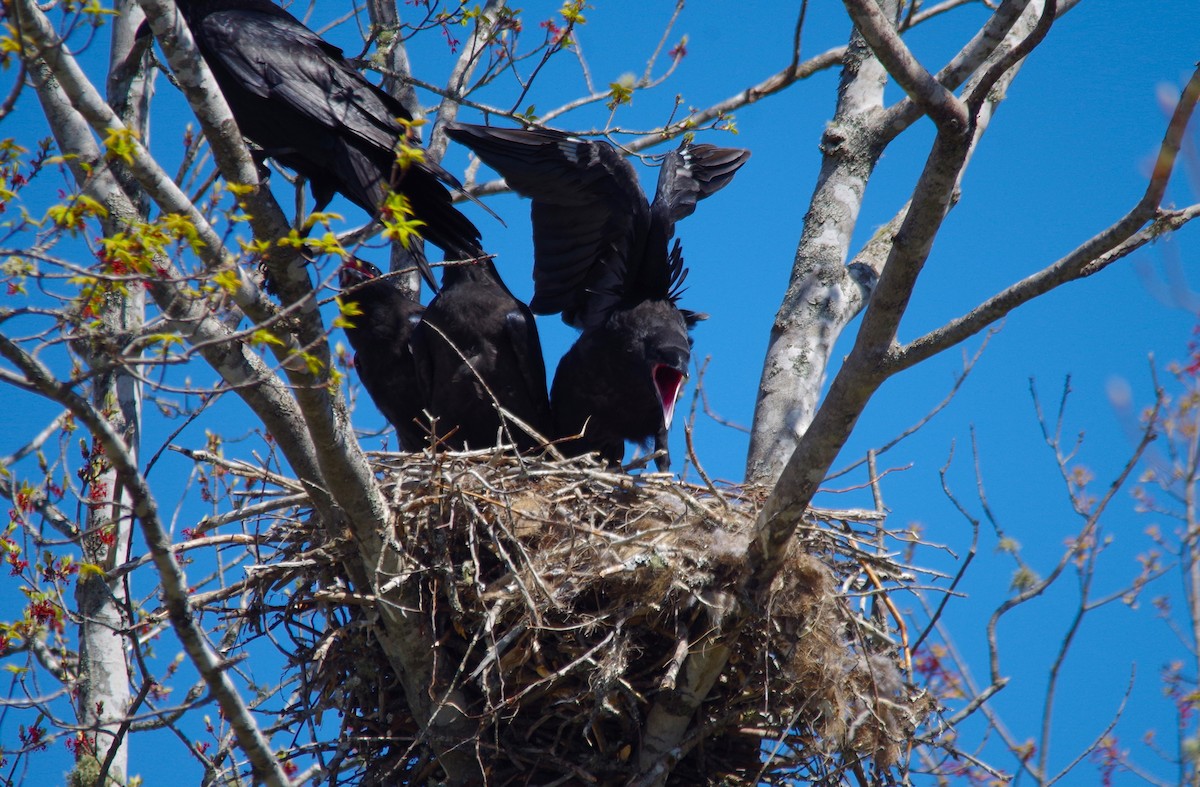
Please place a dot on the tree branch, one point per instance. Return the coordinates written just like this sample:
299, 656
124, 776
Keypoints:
821, 284
397, 81
241, 369
83, 96
978, 93
344, 470
982, 45
1093, 255
456, 85
863, 371
809, 318
404, 640
385, 31
173, 580
927, 92
796, 362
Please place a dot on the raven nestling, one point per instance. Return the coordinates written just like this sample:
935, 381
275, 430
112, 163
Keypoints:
379, 333
477, 350
601, 258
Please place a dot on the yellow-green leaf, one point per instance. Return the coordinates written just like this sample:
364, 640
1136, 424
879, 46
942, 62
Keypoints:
90, 570
228, 280
263, 336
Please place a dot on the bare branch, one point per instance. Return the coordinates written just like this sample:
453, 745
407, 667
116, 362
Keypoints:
174, 583
385, 30
935, 100
979, 91
806, 326
981, 46
997, 33
1093, 255
456, 85
959, 379
821, 303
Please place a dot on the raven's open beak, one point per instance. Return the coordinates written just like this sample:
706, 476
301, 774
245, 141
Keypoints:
668, 382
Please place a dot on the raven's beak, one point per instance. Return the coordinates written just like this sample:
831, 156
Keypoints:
668, 383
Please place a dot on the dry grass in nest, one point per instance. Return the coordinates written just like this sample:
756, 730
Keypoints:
564, 599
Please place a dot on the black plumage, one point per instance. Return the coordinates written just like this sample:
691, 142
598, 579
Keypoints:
620, 381
602, 257
382, 324
296, 97
477, 348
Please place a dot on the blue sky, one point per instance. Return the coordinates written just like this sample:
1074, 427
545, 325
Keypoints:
1066, 156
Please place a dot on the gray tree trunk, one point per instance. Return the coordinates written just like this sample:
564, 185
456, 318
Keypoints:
104, 684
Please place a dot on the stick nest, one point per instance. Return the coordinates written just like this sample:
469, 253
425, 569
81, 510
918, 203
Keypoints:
564, 599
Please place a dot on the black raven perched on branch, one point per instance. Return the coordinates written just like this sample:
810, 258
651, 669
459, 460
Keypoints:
296, 97
602, 258
381, 326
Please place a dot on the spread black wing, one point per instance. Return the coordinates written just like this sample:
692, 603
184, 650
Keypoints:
589, 213
688, 174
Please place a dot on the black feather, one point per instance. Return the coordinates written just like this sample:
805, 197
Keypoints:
380, 336
477, 348
295, 96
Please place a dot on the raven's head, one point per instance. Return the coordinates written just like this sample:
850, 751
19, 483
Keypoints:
666, 349
355, 272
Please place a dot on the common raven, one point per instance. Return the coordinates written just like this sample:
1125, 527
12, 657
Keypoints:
296, 97
602, 258
477, 349
381, 326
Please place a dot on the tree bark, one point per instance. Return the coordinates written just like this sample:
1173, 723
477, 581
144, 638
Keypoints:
825, 294
821, 290
104, 693
794, 441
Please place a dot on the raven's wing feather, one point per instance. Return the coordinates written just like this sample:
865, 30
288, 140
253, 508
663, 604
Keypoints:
689, 174
521, 332
296, 96
277, 58
588, 211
